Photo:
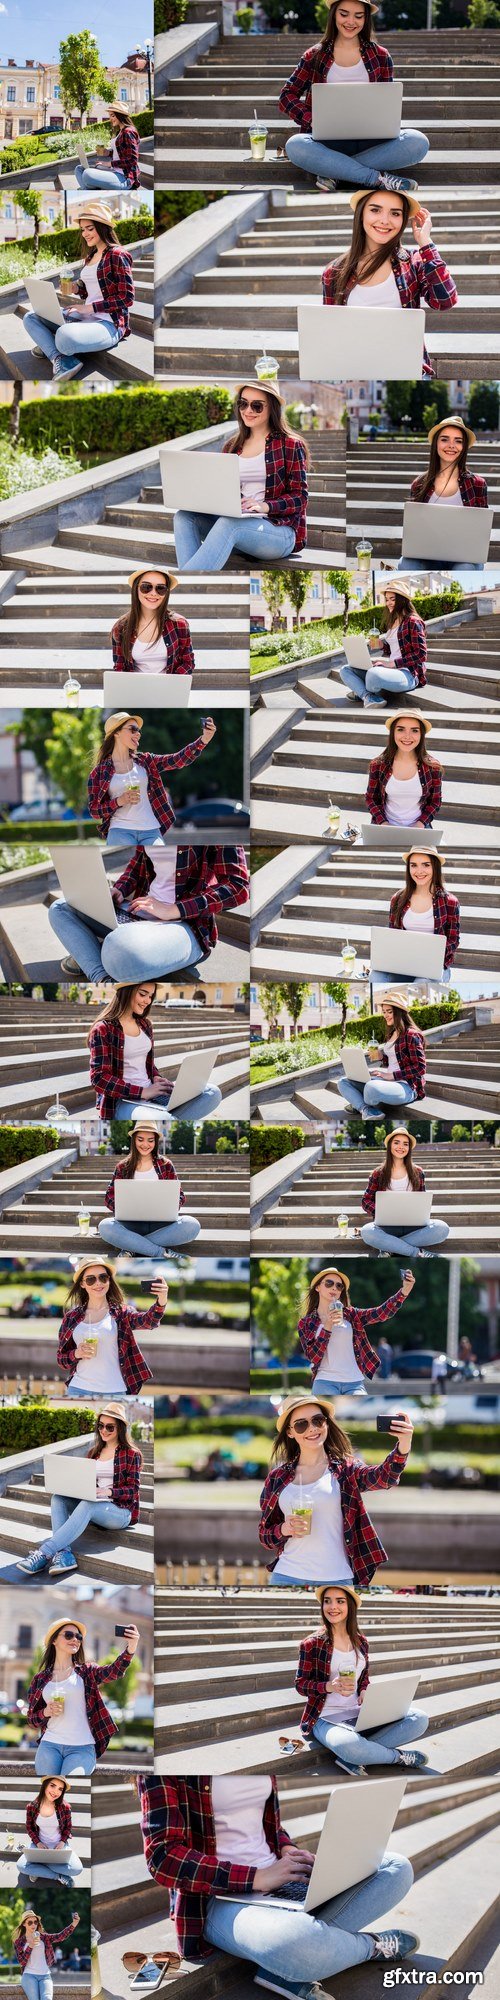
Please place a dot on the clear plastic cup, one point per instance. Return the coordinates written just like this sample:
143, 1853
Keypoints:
91, 1341
364, 550
348, 956
84, 1221
258, 140
303, 1514
72, 691
95, 1969
67, 286
58, 1701
343, 1222
333, 817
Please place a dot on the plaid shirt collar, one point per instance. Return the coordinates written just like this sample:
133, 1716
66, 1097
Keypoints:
178, 1832
314, 1671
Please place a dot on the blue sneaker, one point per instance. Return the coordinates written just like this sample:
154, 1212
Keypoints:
62, 1562
33, 1563
65, 366
394, 1944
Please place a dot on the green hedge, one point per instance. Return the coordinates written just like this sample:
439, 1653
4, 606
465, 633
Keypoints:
105, 426
24, 1142
174, 204
22, 1429
37, 147
267, 1145
67, 245
44, 829
169, 14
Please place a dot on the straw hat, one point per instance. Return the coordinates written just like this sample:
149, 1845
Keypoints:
400, 588
330, 1271
434, 851
400, 1132
94, 211
395, 998
142, 1122
114, 1410
116, 721
455, 424
414, 205
297, 1402
349, 1588
86, 1265
56, 1627
116, 106
415, 715
159, 568
266, 389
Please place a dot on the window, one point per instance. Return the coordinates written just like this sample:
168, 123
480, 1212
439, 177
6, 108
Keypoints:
124, 95
219, 994
25, 125
254, 995
25, 1639
11, 93
314, 591
52, 215
255, 586
30, 94
57, 90
8, 211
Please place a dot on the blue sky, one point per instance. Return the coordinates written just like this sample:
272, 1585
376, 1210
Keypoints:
35, 29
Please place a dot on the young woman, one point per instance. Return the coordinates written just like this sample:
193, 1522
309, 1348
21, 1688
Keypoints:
347, 54
402, 1079
126, 792
166, 901
404, 783
447, 482
313, 1516
122, 1065
273, 480
148, 640
105, 293
97, 1346
333, 1333
35, 1952
123, 170
333, 1674
202, 1836
143, 1161
65, 1702
400, 1173
400, 654
425, 905
377, 273
118, 1497
48, 1823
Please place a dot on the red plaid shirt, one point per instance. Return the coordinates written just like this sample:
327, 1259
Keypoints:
473, 490
126, 1480
127, 147
446, 920
114, 271
163, 1170
48, 1938
178, 1832
102, 806
313, 68
133, 1366
63, 1816
207, 879
286, 484
98, 1717
313, 1672
378, 778
177, 639
421, 277
314, 1337
375, 1184
410, 1057
106, 1044
364, 1550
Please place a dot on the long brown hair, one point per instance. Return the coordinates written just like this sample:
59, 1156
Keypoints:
107, 234
124, 116
426, 483
286, 1449
351, 1618
404, 897
403, 608
123, 997
349, 266
128, 626
78, 1294
49, 1658
327, 43
311, 1303
421, 752
385, 1172
20, 1933
277, 422
108, 744
402, 1020
128, 1166
124, 1440
43, 1787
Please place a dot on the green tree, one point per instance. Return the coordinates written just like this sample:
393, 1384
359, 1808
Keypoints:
397, 401
483, 14
123, 1690
81, 74
298, 582
419, 397
274, 590
269, 1002
10, 1916
484, 400
71, 753
292, 996
276, 1303
430, 416
338, 992
340, 581
30, 201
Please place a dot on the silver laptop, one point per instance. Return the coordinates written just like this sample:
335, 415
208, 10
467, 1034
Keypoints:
355, 1064
353, 112
147, 1201
408, 1210
81, 153
338, 345
363, 1816
82, 877
413, 954
152, 690
386, 1700
400, 836
43, 298
205, 482
192, 1076
446, 534
357, 651
50, 1857
75, 1477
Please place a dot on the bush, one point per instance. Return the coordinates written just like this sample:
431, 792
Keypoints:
169, 14
24, 1142
21, 471
40, 146
144, 122
270, 1144
174, 204
21, 1429
105, 426
66, 243
41, 829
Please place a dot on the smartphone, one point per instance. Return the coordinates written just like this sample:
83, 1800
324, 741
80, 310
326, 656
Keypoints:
383, 1424
120, 1631
146, 1980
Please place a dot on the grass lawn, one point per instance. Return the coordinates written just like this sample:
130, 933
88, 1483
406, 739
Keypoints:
260, 663
280, 1058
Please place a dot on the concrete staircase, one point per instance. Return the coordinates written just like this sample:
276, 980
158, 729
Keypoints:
42, 636
253, 289
451, 91
25, 1521
48, 1052
20, 1790
463, 1179
216, 1190
462, 672
131, 361
308, 902
300, 762
463, 1080
380, 475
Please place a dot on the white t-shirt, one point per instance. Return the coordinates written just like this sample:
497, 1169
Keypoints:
91, 282
165, 866
141, 814
356, 73
135, 1050
446, 499
49, 1829
72, 1726
418, 920
149, 659
384, 294
402, 800
104, 1481
115, 154
321, 1553
37, 1962
344, 1707
238, 1807
253, 478
339, 1362
392, 638
102, 1370
390, 1052
150, 1174
400, 1184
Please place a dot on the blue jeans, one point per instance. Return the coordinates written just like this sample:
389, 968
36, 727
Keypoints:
375, 1094
143, 1240
379, 1746
370, 680
78, 336
100, 177
278, 1938
452, 569
68, 1864
63, 1760
302, 1582
37, 1986
130, 836
206, 541
194, 1109
70, 1518
328, 1387
353, 162
401, 1241
132, 952
410, 978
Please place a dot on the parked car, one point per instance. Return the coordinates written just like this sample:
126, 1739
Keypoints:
417, 1361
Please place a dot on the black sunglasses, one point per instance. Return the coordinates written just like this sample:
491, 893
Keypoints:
256, 407
153, 589
99, 1279
106, 1427
67, 1633
309, 1423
